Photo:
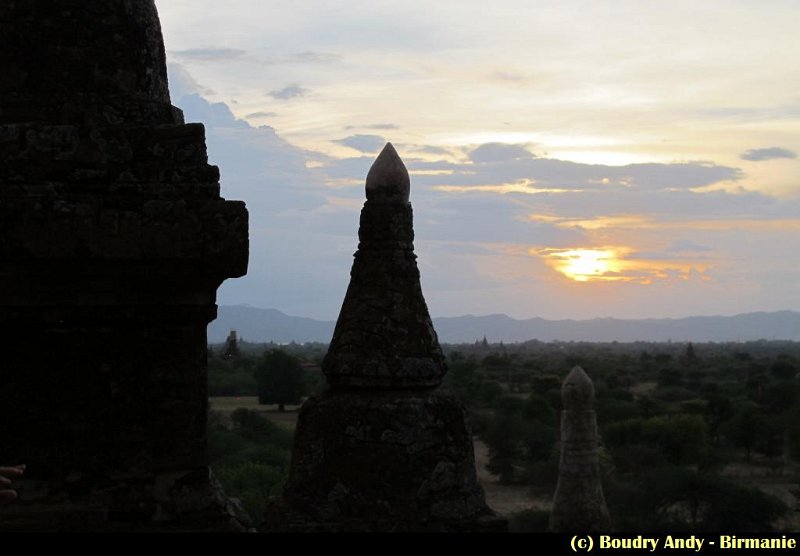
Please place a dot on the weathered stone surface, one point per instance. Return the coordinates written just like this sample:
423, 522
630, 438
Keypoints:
579, 504
182, 501
79, 61
113, 240
383, 461
381, 450
384, 337
577, 391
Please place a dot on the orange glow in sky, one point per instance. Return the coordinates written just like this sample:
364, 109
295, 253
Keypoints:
617, 264
584, 264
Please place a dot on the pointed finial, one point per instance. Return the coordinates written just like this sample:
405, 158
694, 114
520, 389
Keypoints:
388, 179
577, 392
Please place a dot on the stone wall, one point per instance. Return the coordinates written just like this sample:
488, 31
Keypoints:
113, 241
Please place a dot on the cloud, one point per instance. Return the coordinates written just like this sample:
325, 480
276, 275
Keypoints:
508, 76
747, 114
480, 251
308, 57
289, 92
256, 164
311, 57
499, 152
181, 83
438, 151
769, 153
589, 198
363, 143
373, 126
254, 115
217, 115
209, 54
294, 246
658, 209
680, 175
687, 245
499, 164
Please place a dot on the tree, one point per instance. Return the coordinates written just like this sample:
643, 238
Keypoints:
461, 377
783, 368
747, 427
719, 409
681, 439
504, 438
672, 498
280, 379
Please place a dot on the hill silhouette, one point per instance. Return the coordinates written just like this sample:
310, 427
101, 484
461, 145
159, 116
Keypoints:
262, 325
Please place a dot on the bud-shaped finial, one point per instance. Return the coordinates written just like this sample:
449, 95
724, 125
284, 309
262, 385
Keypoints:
388, 179
577, 391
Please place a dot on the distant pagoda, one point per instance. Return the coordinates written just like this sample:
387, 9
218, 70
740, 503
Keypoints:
231, 346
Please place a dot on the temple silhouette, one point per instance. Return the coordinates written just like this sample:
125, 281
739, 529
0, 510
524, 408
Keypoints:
113, 241
381, 449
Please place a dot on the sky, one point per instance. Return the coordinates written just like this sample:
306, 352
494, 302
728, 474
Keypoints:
569, 159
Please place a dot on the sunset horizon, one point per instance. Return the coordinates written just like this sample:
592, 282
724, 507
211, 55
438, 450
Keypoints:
567, 160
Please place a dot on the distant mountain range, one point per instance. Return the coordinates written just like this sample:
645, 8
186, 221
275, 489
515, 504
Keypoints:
262, 325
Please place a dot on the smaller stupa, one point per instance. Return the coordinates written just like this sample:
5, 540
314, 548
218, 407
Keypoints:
579, 504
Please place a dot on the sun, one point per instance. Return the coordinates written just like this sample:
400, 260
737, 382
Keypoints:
620, 265
583, 265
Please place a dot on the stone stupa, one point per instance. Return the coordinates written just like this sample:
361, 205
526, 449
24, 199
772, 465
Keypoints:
381, 449
579, 504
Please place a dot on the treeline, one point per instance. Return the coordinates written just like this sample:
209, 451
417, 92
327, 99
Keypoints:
683, 427
249, 455
676, 420
239, 376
